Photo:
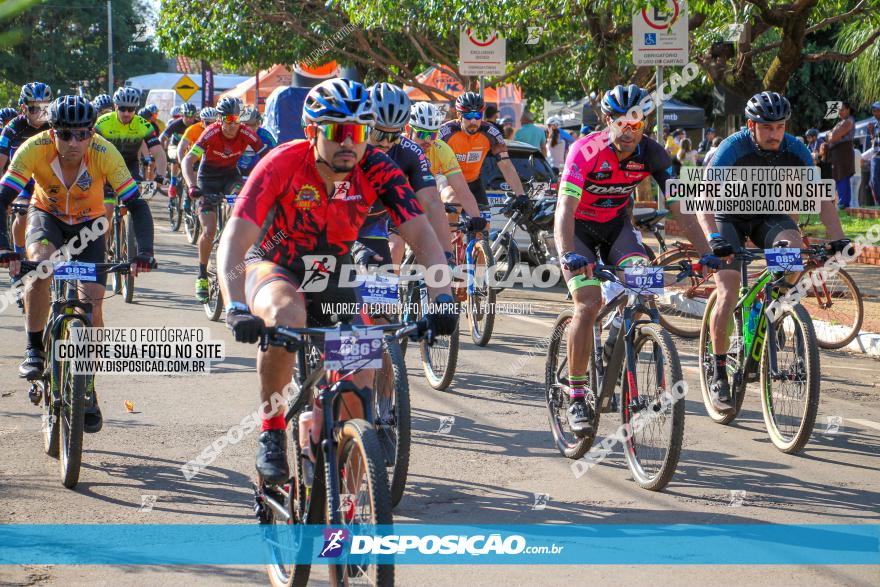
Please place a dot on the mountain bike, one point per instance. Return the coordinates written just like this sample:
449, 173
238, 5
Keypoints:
780, 351
192, 226
62, 392
122, 245
640, 358
214, 306
347, 483
472, 251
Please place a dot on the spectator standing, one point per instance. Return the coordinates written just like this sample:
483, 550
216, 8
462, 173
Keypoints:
706, 143
686, 157
840, 144
874, 161
557, 143
716, 142
506, 128
491, 115
531, 133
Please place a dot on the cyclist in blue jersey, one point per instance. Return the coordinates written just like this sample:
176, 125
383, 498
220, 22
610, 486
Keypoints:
252, 118
763, 143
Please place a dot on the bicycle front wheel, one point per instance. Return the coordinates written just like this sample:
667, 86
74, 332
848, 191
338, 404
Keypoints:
735, 360
129, 250
654, 432
175, 211
191, 225
214, 306
683, 302
481, 301
439, 360
364, 497
71, 417
391, 410
790, 397
836, 308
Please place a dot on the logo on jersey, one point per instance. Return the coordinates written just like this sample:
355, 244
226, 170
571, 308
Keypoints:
85, 181
342, 188
601, 190
307, 197
633, 166
318, 269
474, 156
605, 166
574, 172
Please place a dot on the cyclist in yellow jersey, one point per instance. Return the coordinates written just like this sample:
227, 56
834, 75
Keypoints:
424, 128
69, 165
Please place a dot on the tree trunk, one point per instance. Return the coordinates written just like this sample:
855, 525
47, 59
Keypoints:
790, 55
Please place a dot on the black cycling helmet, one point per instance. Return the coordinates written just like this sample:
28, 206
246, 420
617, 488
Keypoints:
391, 104
768, 107
621, 99
72, 112
470, 102
103, 102
145, 113
7, 114
229, 106
189, 110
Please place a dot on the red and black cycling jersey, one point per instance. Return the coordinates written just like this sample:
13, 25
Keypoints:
417, 169
219, 154
16, 133
285, 196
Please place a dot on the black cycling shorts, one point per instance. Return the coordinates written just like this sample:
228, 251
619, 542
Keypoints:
44, 228
615, 241
479, 192
762, 230
215, 187
310, 283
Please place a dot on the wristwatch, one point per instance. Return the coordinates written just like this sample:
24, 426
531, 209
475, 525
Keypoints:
237, 306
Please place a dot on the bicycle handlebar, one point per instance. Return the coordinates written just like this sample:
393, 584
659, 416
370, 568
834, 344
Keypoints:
291, 339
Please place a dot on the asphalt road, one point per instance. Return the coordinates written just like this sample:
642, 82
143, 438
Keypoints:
486, 468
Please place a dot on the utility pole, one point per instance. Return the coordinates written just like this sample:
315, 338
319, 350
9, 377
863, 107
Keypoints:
110, 47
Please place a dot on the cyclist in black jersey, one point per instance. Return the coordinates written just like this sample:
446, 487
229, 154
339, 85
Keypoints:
764, 143
375, 244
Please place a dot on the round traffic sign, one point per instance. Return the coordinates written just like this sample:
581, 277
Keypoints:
661, 25
480, 42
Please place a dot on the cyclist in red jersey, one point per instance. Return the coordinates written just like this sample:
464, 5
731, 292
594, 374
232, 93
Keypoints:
311, 197
218, 147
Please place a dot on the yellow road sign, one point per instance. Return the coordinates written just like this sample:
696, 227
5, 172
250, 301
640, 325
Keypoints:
185, 87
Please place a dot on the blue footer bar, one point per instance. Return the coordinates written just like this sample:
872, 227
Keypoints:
608, 544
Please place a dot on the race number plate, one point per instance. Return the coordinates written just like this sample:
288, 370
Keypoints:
784, 259
353, 349
379, 289
645, 279
487, 215
75, 271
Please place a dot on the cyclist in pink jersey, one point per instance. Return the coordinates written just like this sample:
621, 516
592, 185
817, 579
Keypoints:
601, 173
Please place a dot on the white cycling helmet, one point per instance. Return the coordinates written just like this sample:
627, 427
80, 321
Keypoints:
426, 115
554, 120
339, 100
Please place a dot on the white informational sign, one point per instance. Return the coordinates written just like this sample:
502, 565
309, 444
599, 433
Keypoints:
660, 37
479, 55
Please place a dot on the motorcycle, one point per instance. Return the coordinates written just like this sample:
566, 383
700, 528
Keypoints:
533, 214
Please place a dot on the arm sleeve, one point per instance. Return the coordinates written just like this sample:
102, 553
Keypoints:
198, 148
392, 188
571, 183
257, 144
6, 141
13, 181
496, 140
150, 136
262, 190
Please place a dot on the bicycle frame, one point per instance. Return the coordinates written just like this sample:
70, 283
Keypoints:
754, 347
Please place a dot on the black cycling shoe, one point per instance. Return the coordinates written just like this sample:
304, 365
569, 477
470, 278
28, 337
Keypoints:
719, 392
580, 415
92, 419
272, 457
33, 365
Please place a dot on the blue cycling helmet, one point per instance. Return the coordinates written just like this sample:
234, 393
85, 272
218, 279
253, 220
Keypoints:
813, 132
7, 114
35, 92
875, 106
72, 112
621, 99
339, 100
103, 102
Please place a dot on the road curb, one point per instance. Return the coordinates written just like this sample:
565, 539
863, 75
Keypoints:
867, 343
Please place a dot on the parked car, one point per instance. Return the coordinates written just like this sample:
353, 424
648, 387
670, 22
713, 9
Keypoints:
529, 162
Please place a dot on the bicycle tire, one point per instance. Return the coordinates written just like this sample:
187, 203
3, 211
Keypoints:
114, 280
735, 359
191, 225
829, 337
812, 370
175, 212
482, 322
506, 259
292, 575
672, 377
214, 306
443, 352
129, 252
70, 432
359, 435
50, 410
683, 323
395, 438
556, 396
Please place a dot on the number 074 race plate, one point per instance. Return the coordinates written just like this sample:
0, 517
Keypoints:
644, 279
